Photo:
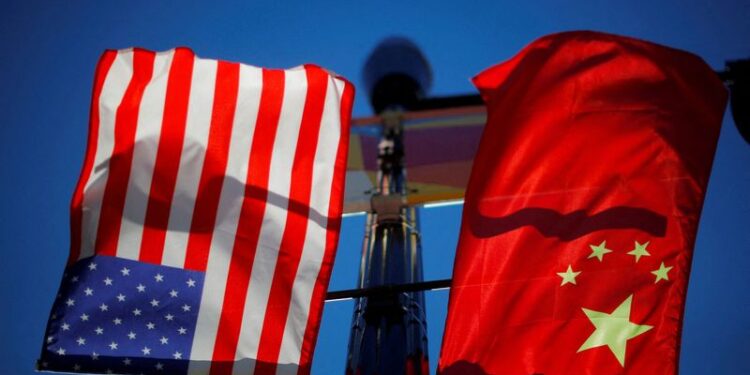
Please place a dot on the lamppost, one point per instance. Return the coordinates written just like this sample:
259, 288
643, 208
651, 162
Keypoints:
389, 332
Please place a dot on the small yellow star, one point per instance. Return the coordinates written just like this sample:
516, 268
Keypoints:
568, 276
639, 251
599, 251
661, 273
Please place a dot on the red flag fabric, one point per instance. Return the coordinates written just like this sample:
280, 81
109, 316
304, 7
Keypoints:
206, 218
582, 208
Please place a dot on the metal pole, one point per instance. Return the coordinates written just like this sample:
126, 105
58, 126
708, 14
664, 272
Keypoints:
389, 332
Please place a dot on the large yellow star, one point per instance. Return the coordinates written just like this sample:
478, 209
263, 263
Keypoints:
598, 251
568, 276
639, 251
662, 273
613, 330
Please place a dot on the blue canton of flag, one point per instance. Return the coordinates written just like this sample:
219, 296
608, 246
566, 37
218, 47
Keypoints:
118, 316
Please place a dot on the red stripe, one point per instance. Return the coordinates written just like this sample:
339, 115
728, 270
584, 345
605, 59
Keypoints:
76, 209
295, 230
214, 166
167, 156
126, 120
250, 221
332, 235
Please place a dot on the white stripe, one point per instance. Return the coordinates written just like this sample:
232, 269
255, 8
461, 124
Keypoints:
230, 202
148, 129
197, 124
315, 241
113, 89
354, 214
274, 217
341, 299
444, 204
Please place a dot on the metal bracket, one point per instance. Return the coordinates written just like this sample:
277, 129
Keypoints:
387, 207
388, 289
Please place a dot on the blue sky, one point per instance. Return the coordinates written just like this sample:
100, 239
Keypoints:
46, 70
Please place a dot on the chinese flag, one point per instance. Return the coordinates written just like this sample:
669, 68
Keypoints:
581, 211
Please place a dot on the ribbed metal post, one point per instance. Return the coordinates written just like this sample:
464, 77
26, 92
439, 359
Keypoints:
389, 332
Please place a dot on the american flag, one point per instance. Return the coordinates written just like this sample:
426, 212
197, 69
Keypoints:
205, 220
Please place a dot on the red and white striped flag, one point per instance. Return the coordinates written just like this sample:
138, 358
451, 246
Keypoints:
231, 173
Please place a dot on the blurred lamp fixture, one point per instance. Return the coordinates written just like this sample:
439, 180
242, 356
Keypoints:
396, 75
